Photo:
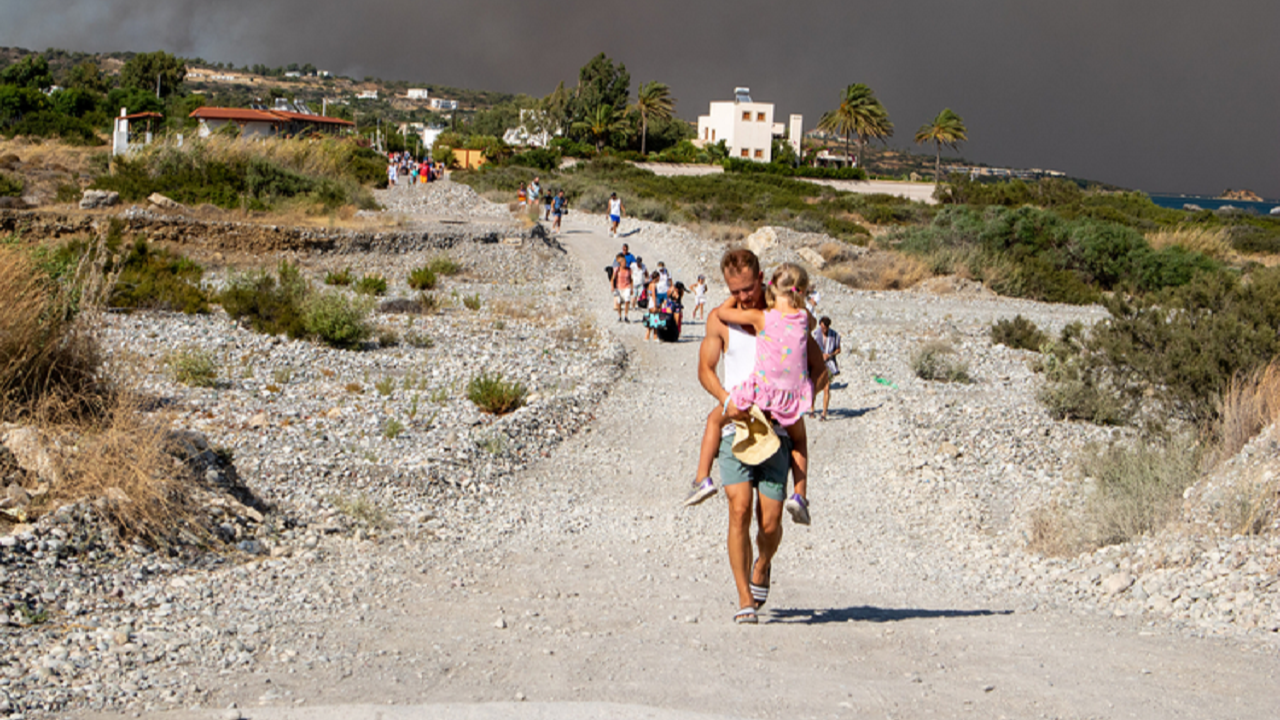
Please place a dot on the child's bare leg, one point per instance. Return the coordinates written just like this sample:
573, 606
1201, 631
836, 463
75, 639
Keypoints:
799, 457
710, 441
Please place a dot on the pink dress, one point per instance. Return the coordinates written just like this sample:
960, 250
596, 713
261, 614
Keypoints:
779, 383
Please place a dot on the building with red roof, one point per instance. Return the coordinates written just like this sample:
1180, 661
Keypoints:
267, 123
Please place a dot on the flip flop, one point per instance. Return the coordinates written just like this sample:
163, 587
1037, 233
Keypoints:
746, 616
760, 593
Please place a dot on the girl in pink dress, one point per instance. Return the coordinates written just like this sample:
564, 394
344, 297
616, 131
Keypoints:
779, 383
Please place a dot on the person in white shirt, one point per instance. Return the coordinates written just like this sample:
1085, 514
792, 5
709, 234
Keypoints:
615, 213
699, 299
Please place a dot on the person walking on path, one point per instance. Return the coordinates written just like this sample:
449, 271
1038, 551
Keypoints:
829, 342
615, 213
621, 283
762, 487
699, 299
558, 208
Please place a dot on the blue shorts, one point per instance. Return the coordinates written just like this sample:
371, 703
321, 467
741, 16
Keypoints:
769, 477
615, 219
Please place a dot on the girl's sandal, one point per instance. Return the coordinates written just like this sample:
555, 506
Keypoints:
746, 616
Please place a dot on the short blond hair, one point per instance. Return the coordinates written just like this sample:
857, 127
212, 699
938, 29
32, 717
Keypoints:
789, 280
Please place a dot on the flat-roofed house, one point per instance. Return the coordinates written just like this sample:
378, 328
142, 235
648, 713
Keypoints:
746, 127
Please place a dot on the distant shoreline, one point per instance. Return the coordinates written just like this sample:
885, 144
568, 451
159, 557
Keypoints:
1176, 202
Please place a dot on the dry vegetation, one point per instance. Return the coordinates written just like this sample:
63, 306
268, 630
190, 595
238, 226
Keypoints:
1211, 242
103, 447
871, 270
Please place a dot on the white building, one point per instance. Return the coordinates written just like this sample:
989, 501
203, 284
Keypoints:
367, 95
441, 104
417, 94
746, 127
532, 131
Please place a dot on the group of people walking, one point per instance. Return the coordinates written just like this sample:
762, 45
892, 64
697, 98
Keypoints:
655, 292
402, 166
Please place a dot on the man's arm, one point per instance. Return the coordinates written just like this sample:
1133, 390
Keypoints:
817, 366
713, 343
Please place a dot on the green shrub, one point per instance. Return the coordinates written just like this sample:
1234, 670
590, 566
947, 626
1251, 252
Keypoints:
393, 429
1137, 489
423, 278
545, 159
193, 366
738, 165
50, 123
337, 320
492, 394
371, 285
471, 302
418, 340
270, 304
1018, 333
444, 265
158, 279
342, 278
11, 185
935, 360
1177, 350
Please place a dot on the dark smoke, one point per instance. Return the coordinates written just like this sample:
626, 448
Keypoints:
1163, 96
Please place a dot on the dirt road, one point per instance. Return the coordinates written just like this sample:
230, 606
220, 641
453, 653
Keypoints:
607, 591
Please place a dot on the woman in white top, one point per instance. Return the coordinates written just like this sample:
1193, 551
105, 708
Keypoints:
615, 213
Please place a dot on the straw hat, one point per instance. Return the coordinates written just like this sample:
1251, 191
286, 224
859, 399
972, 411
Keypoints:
754, 441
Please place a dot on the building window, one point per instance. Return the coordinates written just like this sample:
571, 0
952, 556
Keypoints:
746, 116
744, 152
759, 117
759, 154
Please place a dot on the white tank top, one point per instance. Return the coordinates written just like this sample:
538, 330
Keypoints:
739, 361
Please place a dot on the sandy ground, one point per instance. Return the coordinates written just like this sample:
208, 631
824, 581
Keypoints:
922, 192
631, 601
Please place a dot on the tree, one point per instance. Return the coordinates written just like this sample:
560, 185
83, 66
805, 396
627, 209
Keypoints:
653, 100
946, 129
600, 82
600, 125
87, 76
31, 71
860, 114
158, 72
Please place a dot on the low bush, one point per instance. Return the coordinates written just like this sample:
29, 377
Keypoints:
269, 304
341, 278
49, 124
495, 395
155, 278
1137, 489
337, 319
1018, 333
936, 360
444, 265
11, 185
371, 285
191, 365
878, 270
545, 159
423, 278
471, 302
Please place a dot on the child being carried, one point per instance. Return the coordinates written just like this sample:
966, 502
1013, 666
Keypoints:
779, 383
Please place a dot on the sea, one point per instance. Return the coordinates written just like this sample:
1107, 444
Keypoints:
1207, 203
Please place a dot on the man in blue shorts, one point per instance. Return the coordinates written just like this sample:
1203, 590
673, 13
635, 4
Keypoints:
760, 487
615, 213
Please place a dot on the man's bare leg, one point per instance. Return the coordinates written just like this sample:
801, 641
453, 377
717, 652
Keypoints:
768, 537
741, 498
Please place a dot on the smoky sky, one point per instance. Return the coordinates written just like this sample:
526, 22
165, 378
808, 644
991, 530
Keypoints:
1164, 96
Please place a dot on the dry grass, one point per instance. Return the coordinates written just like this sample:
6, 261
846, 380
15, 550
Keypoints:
1211, 242
1250, 404
51, 154
515, 309
47, 346
879, 270
1054, 532
1254, 505
720, 232
122, 464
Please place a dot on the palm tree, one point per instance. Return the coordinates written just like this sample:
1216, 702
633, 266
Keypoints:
860, 114
946, 129
601, 122
653, 100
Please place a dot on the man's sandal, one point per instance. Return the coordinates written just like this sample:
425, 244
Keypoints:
759, 593
746, 616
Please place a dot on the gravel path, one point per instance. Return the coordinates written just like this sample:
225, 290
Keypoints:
567, 572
